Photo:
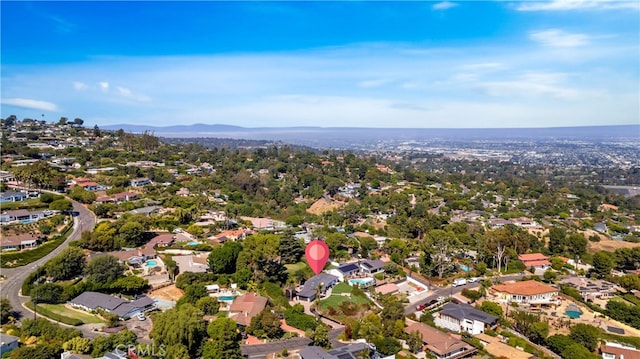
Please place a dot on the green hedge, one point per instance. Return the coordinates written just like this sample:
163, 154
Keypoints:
299, 320
55, 316
18, 259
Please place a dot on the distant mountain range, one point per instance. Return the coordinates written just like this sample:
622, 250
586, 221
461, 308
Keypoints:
339, 136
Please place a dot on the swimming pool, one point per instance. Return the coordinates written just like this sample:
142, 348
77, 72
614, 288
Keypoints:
151, 263
194, 243
363, 282
573, 314
464, 268
226, 298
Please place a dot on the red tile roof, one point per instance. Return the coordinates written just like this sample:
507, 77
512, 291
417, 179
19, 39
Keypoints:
532, 257
526, 288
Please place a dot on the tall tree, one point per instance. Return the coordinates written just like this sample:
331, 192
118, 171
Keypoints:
180, 326
104, 269
224, 340
66, 265
442, 245
291, 248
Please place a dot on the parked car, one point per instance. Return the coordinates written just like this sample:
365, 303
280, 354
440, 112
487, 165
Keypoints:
440, 298
141, 316
459, 282
473, 280
421, 307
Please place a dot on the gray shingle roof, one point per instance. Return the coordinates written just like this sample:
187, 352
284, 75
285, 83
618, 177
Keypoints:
309, 289
462, 311
94, 300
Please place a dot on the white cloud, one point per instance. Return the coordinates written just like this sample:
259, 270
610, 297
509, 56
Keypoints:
559, 38
445, 5
390, 85
80, 86
104, 86
30, 104
373, 83
538, 84
563, 5
127, 93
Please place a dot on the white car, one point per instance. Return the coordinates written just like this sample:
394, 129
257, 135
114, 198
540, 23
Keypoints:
473, 280
141, 316
440, 298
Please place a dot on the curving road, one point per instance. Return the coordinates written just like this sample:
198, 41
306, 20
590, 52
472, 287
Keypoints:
12, 285
450, 290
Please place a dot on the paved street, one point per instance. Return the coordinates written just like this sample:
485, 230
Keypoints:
11, 286
449, 291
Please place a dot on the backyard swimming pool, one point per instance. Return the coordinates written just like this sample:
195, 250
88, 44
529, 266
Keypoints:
226, 298
573, 311
363, 282
194, 243
464, 268
151, 263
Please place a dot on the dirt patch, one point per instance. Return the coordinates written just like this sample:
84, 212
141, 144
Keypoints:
609, 245
323, 205
169, 292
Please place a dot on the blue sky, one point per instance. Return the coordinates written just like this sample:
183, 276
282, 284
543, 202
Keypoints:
421, 64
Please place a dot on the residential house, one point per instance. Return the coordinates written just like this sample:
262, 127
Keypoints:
439, 344
608, 207
22, 215
349, 351
611, 350
140, 182
134, 257
525, 222
345, 270
6, 176
192, 263
91, 301
118, 197
601, 227
372, 266
464, 318
245, 307
495, 223
8, 343
591, 288
6, 197
264, 224
322, 280
149, 210
526, 292
538, 261
161, 240
19, 242
231, 235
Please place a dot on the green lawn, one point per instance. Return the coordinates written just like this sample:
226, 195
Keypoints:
292, 268
342, 287
336, 299
61, 310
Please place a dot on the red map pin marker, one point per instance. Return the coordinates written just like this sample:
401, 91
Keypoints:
317, 253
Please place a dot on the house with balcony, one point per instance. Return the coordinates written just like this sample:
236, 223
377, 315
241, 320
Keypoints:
464, 318
538, 261
140, 182
526, 292
6, 197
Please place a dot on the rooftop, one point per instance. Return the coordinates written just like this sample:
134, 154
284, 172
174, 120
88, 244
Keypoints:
528, 287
